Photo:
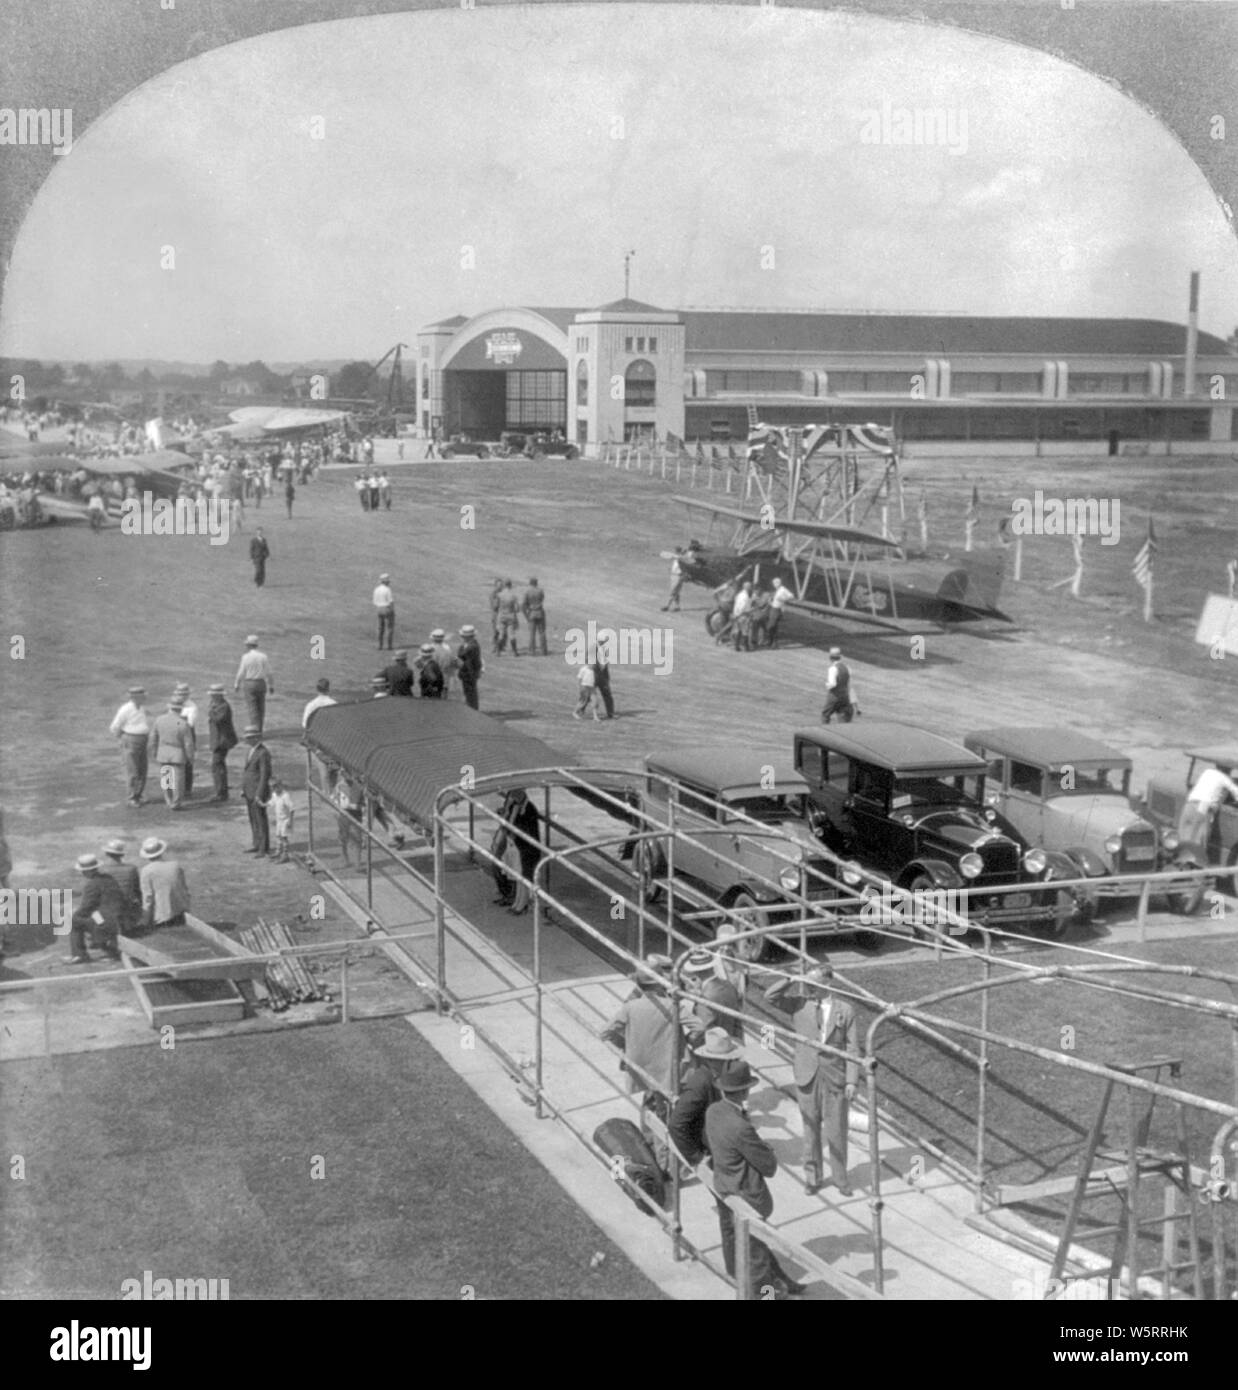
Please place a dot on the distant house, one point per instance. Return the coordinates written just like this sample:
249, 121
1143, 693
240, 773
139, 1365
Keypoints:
311, 383
239, 386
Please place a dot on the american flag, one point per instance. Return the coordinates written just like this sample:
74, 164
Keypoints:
972, 514
1142, 567
1231, 571
923, 509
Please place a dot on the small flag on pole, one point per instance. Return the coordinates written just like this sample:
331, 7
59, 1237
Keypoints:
1231, 571
1142, 569
922, 515
971, 516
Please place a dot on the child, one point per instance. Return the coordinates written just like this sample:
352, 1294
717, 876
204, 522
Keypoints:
588, 682
281, 809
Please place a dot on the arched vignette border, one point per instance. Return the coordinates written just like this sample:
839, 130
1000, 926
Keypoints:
1177, 61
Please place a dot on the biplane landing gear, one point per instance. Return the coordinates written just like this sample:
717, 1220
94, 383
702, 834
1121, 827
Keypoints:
715, 621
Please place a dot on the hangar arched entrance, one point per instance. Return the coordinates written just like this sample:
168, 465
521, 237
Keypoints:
505, 373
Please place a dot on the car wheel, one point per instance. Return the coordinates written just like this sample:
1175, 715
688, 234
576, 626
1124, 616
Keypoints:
572, 454
1065, 908
1188, 900
651, 866
483, 453
752, 949
922, 883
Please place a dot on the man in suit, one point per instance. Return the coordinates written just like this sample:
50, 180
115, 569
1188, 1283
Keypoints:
709, 988
469, 663
127, 880
400, 676
533, 606
698, 1089
825, 1083
98, 912
742, 1161
256, 789
259, 553
171, 747
222, 738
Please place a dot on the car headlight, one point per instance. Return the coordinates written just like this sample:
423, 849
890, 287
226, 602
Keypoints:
971, 865
1034, 861
789, 877
1113, 844
1169, 840
851, 874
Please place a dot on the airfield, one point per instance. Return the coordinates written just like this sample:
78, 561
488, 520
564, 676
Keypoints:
98, 613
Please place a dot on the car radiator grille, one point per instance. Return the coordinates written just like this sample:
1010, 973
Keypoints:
1138, 849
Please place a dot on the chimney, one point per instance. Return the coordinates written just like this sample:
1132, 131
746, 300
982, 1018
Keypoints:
1192, 338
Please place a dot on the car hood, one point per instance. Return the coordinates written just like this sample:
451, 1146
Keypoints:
1098, 816
966, 830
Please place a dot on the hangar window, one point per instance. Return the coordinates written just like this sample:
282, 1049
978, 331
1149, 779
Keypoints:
627, 344
582, 382
640, 384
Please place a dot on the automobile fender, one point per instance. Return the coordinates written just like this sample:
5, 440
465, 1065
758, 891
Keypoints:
944, 875
1084, 862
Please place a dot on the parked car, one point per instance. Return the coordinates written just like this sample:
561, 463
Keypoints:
710, 791
461, 446
910, 806
1163, 804
1065, 791
535, 445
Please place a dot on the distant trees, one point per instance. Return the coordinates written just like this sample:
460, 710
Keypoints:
354, 380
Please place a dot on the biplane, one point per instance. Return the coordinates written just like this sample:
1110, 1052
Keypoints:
826, 533
161, 472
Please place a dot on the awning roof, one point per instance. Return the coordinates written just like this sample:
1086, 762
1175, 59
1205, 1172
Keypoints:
407, 751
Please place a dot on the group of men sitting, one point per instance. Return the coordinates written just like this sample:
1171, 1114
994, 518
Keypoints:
119, 899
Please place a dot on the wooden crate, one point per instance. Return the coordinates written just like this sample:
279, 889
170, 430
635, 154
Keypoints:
167, 1001
195, 941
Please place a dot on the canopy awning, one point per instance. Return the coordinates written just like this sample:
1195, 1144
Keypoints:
407, 751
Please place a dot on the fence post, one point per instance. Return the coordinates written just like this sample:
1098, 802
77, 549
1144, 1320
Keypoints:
1143, 910
743, 1260
344, 988
538, 1109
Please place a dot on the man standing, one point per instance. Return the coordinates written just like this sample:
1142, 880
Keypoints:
1203, 802
362, 486
399, 676
127, 880
99, 911
445, 657
677, 574
525, 835
778, 601
259, 553
165, 895
469, 663
698, 1089
384, 606
509, 617
495, 628
825, 1082
429, 677
742, 1161
222, 737
255, 681
741, 617
759, 618
533, 606
132, 726
171, 747
838, 690
189, 713
601, 681
710, 989
320, 701
256, 789
384, 486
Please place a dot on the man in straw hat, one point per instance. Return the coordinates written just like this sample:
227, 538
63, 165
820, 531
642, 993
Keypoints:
132, 726
701, 978
171, 747
223, 739
99, 911
742, 1161
189, 713
469, 664
825, 1083
698, 1089
127, 880
256, 789
165, 894
255, 681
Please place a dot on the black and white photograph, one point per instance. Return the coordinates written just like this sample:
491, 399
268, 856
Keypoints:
837, 404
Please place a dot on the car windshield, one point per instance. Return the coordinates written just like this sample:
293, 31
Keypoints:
1091, 781
768, 808
946, 790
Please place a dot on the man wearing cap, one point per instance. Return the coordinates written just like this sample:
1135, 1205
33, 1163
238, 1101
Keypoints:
259, 553
171, 747
508, 617
222, 734
99, 910
256, 789
698, 1089
255, 681
709, 989
384, 606
825, 1083
126, 879
429, 675
469, 663
742, 1161
837, 689
320, 701
132, 726
399, 676
445, 657
165, 894
189, 713
533, 606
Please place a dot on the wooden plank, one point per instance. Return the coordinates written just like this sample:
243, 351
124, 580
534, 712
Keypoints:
177, 945
217, 938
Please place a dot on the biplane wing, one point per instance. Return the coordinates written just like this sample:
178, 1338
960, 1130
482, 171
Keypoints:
773, 526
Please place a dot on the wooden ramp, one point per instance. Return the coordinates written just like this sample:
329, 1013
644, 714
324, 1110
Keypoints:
203, 989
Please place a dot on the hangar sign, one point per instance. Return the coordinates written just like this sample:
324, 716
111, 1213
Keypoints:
503, 348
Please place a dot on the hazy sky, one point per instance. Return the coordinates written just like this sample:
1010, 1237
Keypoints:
731, 147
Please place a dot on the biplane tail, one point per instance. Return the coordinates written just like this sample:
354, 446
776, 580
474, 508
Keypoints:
975, 583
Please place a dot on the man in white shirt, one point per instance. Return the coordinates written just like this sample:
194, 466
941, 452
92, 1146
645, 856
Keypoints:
741, 617
384, 605
1203, 801
319, 700
255, 681
777, 602
132, 726
189, 713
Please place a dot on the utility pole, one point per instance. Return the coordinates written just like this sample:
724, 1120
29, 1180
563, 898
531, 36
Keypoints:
627, 272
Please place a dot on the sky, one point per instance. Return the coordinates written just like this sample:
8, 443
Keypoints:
327, 191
